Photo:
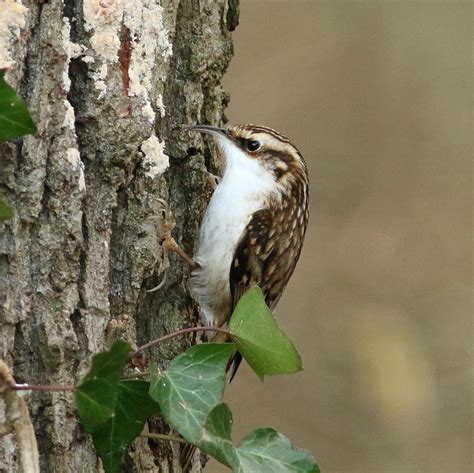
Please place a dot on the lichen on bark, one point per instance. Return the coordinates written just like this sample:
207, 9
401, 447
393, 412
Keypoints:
109, 85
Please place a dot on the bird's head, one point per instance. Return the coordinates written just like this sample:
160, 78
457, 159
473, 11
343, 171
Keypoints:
267, 151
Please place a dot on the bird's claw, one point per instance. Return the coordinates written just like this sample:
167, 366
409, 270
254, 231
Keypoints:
167, 225
168, 244
161, 285
167, 219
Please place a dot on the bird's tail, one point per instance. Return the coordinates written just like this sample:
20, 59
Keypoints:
233, 365
186, 457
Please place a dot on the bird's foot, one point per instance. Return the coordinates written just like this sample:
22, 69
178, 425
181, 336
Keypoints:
169, 244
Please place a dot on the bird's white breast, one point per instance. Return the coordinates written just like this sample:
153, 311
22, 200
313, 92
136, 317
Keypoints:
244, 189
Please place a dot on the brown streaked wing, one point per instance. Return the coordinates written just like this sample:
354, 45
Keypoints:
248, 261
266, 255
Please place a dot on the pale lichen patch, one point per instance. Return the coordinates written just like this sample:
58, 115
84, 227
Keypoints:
69, 115
104, 19
74, 158
155, 160
99, 77
160, 105
148, 112
144, 19
73, 50
88, 59
148, 37
13, 20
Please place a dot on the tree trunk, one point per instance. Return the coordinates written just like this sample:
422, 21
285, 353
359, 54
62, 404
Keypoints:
109, 84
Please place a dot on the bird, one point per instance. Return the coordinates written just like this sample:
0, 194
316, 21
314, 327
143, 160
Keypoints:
254, 226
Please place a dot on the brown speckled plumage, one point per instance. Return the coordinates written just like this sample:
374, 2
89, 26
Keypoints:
269, 248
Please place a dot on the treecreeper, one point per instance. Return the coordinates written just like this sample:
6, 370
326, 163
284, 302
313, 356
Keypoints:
253, 229
254, 226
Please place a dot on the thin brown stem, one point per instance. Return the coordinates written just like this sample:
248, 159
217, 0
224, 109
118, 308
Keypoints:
175, 334
171, 438
41, 387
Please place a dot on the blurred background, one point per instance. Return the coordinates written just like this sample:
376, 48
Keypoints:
377, 96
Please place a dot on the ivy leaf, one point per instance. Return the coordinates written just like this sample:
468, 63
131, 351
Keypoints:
97, 393
5, 211
267, 451
15, 120
266, 348
191, 386
216, 437
263, 450
189, 392
113, 411
132, 408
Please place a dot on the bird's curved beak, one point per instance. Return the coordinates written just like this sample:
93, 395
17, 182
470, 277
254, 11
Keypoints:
209, 130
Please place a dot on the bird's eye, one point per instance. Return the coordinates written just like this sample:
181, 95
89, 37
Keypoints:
253, 145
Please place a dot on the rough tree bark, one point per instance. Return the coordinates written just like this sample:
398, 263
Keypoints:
109, 84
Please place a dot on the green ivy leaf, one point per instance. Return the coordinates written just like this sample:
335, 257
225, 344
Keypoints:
216, 439
15, 120
132, 408
113, 410
267, 451
5, 211
97, 393
263, 450
266, 348
191, 386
